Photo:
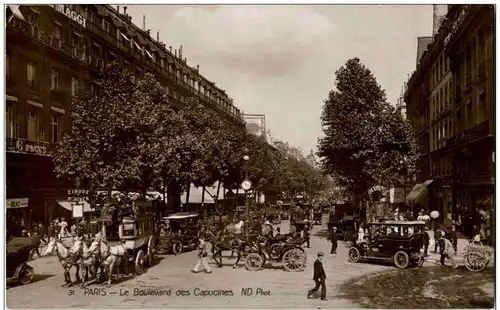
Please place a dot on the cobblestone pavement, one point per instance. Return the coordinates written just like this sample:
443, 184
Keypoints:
286, 289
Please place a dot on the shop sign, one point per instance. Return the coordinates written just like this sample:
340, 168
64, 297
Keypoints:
77, 210
25, 146
17, 203
77, 195
71, 14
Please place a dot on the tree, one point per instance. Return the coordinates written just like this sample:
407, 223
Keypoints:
366, 142
117, 133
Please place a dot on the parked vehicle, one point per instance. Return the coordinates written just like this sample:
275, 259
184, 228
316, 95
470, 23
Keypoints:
396, 241
18, 252
182, 231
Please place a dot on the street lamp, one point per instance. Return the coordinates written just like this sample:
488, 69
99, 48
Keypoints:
246, 185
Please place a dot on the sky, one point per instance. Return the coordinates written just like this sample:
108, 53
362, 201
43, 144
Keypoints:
280, 60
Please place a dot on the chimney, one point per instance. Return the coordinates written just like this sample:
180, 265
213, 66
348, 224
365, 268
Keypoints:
118, 9
180, 52
170, 48
175, 53
198, 68
185, 59
143, 22
158, 36
149, 32
124, 10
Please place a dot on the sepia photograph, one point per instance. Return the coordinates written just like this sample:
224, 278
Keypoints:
249, 156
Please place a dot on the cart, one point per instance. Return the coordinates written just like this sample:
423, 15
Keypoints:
18, 252
182, 231
317, 218
475, 258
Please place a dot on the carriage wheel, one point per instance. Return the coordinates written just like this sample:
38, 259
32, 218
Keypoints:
401, 259
421, 260
139, 262
293, 260
475, 261
254, 262
354, 255
26, 275
151, 252
177, 248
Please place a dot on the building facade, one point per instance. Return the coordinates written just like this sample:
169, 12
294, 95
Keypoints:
450, 105
56, 53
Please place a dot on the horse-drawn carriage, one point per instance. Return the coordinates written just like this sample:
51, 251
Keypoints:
134, 231
181, 231
18, 252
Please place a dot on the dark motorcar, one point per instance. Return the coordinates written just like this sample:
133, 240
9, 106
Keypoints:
396, 241
18, 252
183, 231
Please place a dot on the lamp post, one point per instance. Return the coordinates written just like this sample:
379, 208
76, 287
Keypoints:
246, 185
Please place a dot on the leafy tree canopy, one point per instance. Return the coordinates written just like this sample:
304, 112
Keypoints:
366, 141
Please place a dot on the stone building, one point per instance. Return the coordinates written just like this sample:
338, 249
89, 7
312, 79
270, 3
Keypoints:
54, 53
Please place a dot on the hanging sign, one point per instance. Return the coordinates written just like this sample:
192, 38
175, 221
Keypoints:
77, 209
17, 203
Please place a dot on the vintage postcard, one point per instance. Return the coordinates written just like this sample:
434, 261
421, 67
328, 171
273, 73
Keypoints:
249, 156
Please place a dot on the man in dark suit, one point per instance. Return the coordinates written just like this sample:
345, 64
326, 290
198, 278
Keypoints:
319, 277
333, 240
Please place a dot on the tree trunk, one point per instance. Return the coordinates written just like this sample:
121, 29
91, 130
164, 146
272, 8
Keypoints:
188, 192
216, 200
203, 202
174, 196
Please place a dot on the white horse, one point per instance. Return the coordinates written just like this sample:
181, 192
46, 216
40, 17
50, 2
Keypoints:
110, 257
88, 260
67, 257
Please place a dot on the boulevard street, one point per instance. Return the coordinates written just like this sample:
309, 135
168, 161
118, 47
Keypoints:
276, 288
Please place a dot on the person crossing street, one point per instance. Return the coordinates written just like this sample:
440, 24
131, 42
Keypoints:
319, 277
202, 254
333, 239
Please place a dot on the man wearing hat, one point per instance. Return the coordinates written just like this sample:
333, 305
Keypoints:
319, 277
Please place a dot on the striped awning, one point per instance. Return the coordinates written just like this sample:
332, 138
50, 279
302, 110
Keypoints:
419, 192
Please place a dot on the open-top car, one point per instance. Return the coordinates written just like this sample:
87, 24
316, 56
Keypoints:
181, 231
396, 241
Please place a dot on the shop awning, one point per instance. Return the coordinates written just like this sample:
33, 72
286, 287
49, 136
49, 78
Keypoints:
67, 205
195, 194
419, 192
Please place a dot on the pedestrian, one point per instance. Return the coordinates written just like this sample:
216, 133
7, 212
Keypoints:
278, 231
307, 239
333, 240
361, 233
73, 230
50, 231
202, 254
452, 234
426, 242
437, 236
446, 251
319, 277
35, 243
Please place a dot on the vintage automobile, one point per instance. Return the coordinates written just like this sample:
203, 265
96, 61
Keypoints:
284, 249
181, 231
317, 218
396, 241
18, 252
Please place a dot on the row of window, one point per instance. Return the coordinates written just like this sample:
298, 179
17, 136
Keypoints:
441, 166
34, 124
440, 132
439, 70
441, 99
79, 43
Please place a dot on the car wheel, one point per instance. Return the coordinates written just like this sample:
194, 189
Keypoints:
354, 255
401, 259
